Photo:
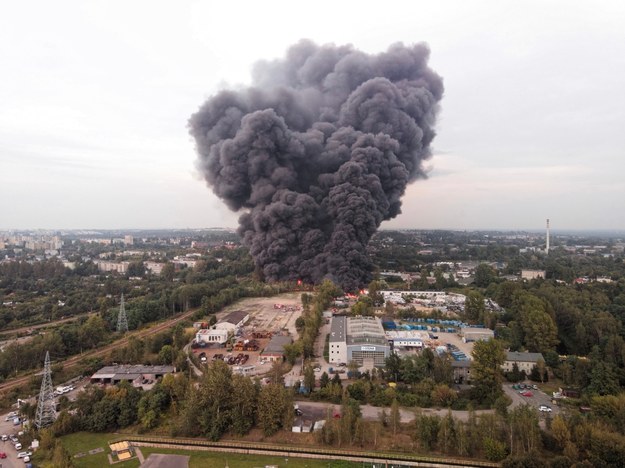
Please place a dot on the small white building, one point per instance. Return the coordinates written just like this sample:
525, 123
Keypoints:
212, 335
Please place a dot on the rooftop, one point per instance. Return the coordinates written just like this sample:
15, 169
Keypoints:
337, 329
234, 317
276, 345
134, 370
524, 357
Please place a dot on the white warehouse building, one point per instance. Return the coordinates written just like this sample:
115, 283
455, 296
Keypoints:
359, 339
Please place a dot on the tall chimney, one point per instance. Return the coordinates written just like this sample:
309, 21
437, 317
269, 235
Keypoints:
547, 243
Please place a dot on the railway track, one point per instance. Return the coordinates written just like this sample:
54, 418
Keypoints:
73, 361
249, 448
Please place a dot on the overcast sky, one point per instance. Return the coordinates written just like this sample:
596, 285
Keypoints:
95, 98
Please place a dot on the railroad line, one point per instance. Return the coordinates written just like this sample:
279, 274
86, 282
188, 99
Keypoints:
73, 361
387, 459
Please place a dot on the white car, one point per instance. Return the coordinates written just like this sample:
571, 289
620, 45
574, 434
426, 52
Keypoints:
4, 437
24, 454
544, 409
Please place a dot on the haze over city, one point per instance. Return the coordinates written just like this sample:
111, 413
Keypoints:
97, 96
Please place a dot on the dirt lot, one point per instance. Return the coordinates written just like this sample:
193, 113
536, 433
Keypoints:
268, 315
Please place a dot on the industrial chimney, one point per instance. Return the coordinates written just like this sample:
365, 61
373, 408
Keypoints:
547, 242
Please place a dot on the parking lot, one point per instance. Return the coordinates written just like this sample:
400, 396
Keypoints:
7, 446
536, 399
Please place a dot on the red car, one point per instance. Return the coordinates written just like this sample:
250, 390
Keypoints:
528, 394
3, 455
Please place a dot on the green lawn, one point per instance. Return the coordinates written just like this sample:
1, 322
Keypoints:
85, 441
202, 459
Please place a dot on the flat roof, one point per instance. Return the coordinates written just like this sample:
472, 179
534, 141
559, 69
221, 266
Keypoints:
337, 329
516, 356
365, 330
108, 372
276, 345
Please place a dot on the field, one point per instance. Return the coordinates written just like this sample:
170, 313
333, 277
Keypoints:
83, 442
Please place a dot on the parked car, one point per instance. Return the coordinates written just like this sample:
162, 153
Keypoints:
4, 437
24, 454
527, 393
544, 408
535, 387
13, 438
18, 446
3, 455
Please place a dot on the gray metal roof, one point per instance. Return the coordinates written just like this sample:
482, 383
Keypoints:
117, 371
234, 317
338, 329
515, 356
276, 345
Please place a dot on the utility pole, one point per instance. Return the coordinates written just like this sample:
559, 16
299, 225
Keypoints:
122, 319
46, 406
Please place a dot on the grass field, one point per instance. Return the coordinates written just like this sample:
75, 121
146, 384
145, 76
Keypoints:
84, 441
202, 459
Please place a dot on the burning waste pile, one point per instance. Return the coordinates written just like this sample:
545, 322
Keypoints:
318, 152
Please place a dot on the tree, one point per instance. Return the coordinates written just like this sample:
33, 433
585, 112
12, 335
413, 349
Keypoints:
214, 411
166, 355
474, 306
560, 431
395, 417
393, 364
275, 408
488, 356
244, 404
484, 275
309, 378
324, 380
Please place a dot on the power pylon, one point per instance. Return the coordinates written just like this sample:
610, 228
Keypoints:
46, 406
122, 319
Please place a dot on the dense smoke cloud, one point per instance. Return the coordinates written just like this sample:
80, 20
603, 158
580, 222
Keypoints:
318, 152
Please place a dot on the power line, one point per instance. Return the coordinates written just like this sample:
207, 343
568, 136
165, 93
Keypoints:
46, 406
122, 319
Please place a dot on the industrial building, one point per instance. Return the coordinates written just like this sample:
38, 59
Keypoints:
212, 335
274, 351
470, 334
233, 321
222, 330
136, 375
359, 339
524, 361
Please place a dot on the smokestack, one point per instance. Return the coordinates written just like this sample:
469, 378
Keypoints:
318, 152
547, 242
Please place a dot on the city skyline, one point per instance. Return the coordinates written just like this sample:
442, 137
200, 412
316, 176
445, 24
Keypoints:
97, 97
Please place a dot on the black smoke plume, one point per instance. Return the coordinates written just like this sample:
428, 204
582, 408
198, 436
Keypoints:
318, 152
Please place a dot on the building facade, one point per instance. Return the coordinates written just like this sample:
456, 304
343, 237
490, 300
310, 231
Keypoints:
359, 339
524, 361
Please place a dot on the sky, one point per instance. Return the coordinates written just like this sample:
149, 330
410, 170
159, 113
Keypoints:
95, 99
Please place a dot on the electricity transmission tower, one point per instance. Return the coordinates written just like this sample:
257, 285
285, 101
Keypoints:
122, 320
46, 406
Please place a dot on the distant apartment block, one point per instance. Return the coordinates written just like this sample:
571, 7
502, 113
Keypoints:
532, 274
154, 267
119, 267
